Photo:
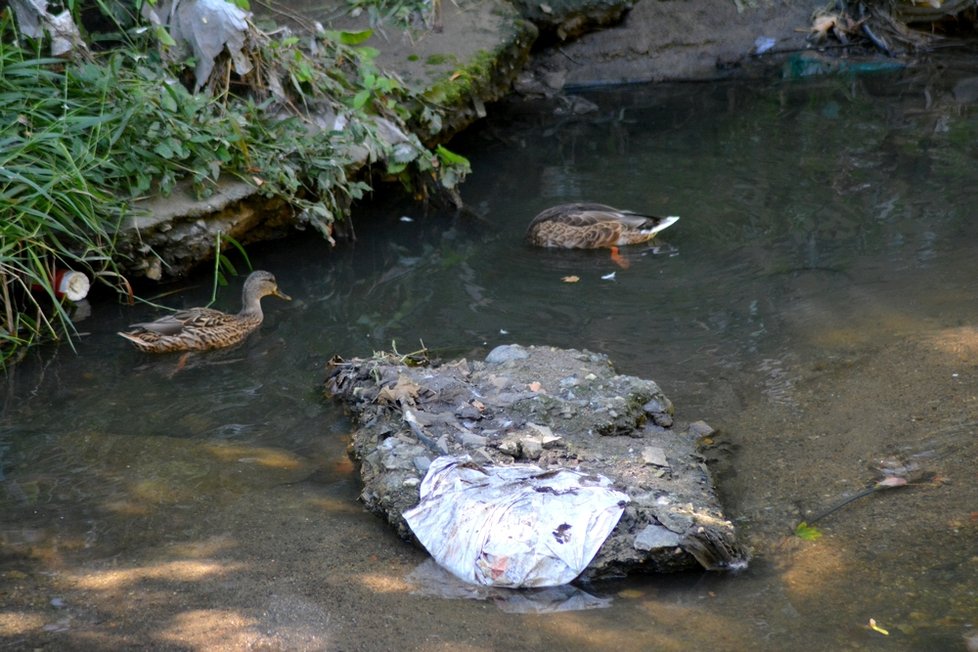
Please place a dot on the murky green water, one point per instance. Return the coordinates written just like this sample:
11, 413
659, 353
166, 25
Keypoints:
815, 303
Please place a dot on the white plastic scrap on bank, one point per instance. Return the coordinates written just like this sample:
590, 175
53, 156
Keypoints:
513, 526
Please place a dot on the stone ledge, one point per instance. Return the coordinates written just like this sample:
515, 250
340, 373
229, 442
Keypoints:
483, 46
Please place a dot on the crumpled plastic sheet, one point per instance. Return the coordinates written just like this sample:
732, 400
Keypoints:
207, 26
34, 19
513, 526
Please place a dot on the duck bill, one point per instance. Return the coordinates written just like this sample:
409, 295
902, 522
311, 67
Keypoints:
281, 295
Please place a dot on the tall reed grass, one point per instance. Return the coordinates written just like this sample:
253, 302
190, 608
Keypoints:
53, 214
78, 142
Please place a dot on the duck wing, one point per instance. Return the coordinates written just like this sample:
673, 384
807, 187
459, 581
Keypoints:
193, 318
590, 214
574, 214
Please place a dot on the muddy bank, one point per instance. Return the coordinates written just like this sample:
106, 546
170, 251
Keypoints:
694, 40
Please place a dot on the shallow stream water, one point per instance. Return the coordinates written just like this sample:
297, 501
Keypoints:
816, 304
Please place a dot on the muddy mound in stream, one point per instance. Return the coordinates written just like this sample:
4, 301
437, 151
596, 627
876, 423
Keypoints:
555, 408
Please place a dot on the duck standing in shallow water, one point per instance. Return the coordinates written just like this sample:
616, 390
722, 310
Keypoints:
594, 226
201, 329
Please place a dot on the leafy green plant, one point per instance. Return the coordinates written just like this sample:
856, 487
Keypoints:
79, 141
399, 12
455, 166
807, 532
55, 214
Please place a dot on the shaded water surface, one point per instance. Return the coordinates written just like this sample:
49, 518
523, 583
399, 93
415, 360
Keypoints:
815, 303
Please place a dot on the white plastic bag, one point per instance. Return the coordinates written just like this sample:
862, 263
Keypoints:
513, 526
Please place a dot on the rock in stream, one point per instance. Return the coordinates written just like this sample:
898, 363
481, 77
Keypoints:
552, 407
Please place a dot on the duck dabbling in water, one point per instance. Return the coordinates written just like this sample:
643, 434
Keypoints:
593, 226
201, 329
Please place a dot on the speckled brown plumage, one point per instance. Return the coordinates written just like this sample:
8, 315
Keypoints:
201, 329
592, 226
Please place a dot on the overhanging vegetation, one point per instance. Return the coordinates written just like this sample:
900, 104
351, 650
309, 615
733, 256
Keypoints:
82, 137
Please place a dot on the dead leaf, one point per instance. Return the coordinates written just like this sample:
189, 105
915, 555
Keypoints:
404, 392
822, 24
571, 279
478, 405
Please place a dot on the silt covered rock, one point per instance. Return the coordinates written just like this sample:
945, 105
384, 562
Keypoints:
556, 408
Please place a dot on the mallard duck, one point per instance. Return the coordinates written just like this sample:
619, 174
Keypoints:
593, 226
200, 329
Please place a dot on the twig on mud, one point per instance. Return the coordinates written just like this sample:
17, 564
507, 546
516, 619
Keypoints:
889, 483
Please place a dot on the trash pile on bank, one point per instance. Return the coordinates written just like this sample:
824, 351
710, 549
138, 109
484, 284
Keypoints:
533, 466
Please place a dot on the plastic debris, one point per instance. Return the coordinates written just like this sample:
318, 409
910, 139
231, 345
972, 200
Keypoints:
34, 20
71, 284
67, 284
763, 43
513, 526
208, 27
